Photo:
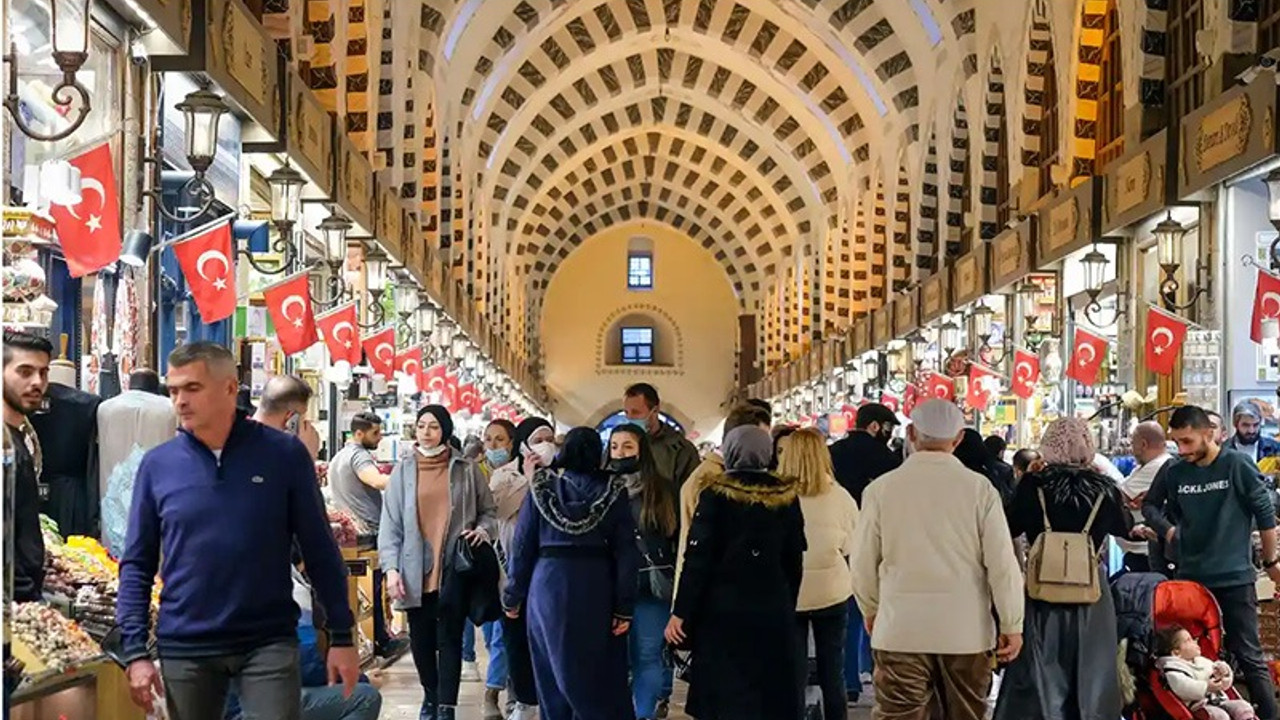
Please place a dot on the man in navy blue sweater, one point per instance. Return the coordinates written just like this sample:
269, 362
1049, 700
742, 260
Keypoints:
216, 510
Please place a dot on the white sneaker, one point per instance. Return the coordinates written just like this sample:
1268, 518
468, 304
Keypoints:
524, 712
470, 672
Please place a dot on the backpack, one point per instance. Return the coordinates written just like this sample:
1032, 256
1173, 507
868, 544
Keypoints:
1062, 567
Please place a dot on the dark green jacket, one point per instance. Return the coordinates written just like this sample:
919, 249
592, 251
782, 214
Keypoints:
674, 455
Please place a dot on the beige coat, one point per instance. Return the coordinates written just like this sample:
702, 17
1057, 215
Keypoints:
711, 467
829, 521
932, 556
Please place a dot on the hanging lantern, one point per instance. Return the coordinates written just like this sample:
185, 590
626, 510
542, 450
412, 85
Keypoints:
1094, 264
286, 196
333, 231
201, 112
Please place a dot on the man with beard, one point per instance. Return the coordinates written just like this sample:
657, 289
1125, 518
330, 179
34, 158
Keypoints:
1217, 496
864, 454
1248, 439
26, 376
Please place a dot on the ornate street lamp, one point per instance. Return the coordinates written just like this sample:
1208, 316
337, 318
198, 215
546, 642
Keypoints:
69, 28
375, 267
202, 110
286, 187
950, 338
1169, 234
1094, 264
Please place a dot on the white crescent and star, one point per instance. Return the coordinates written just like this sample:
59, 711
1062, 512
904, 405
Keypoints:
1270, 297
377, 351
94, 223
1155, 339
1018, 371
206, 256
1088, 349
411, 366
290, 302
437, 383
350, 334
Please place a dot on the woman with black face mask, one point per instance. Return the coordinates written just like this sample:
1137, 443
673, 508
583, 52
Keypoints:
653, 507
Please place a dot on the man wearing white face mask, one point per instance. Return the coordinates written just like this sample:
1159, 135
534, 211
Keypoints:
535, 447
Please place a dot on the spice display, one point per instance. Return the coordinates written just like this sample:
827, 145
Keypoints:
58, 642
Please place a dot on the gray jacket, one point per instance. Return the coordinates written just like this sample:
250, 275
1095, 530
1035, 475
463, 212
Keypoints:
401, 546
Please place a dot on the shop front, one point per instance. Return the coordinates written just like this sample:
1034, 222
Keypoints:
1006, 340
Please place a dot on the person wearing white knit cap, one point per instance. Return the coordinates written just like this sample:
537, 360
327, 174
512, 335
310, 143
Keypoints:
932, 534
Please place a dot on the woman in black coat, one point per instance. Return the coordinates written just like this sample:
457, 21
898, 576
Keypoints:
737, 596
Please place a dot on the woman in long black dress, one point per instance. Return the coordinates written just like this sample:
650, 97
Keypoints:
736, 603
1067, 668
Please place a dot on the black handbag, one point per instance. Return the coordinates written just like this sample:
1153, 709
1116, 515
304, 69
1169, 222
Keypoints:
660, 577
464, 561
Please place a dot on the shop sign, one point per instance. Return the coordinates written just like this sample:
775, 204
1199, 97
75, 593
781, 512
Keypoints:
1235, 131
906, 307
23, 225
387, 225
969, 277
935, 300
409, 244
171, 17
310, 132
882, 325
354, 192
242, 59
861, 336
1011, 254
1136, 186
1069, 224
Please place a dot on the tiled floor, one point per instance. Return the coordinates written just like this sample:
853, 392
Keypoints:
402, 697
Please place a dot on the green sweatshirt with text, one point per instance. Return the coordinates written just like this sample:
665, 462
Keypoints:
1217, 506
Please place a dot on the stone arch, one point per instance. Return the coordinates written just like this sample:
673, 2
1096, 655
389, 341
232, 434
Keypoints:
904, 260
995, 192
1088, 85
1040, 81
927, 225
959, 187
881, 279
668, 340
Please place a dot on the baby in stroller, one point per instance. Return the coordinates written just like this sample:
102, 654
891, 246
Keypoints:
1199, 682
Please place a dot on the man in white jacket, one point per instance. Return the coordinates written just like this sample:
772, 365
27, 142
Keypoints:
932, 558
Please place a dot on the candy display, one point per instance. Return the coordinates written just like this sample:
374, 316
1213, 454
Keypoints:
59, 643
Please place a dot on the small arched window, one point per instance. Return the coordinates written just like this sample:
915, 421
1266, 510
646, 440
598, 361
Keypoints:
640, 264
640, 338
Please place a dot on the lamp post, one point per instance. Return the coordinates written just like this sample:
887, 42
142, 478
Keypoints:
1169, 233
202, 111
69, 29
286, 204
949, 339
375, 268
1273, 214
1095, 265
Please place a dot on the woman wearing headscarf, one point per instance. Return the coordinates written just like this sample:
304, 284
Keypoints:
1067, 668
736, 604
434, 499
972, 452
499, 445
534, 446
573, 563
652, 500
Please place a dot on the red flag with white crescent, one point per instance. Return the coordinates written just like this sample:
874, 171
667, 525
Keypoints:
1266, 303
205, 259
409, 362
89, 231
466, 397
434, 379
889, 400
380, 349
940, 386
1086, 359
1026, 373
850, 415
338, 327
1165, 334
289, 304
450, 390
983, 384
910, 397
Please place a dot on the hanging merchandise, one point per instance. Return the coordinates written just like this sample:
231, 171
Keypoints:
380, 348
124, 330
89, 231
338, 327
1086, 359
289, 303
213, 288
1266, 303
91, 361
1165, 334
983, 384
1026, 373
409, 363
938, 385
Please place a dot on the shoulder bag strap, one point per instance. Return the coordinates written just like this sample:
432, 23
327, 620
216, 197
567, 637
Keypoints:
1044, 509
1097, 504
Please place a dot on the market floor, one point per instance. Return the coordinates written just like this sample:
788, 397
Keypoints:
401, 696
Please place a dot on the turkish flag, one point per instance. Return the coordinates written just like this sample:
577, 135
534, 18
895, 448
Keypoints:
467, 397
477, 403
1165, 334
889, 401
983, 383
850, 415
338, 326
205, 259
380, 348
409, 362
1026, 373
434, 378
1086, 359
289, 303
1266, 303
89, 232
940, 386
450, 390
910, 397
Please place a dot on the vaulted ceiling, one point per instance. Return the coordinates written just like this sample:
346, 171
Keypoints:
744, 123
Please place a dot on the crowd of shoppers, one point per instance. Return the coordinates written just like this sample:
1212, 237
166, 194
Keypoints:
773, 563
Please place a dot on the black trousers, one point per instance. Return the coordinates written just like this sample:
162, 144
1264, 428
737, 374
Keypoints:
1240, 629
829, 628
435, 640
515, 637
381, 638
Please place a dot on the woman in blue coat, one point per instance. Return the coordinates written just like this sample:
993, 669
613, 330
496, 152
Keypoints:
574, 565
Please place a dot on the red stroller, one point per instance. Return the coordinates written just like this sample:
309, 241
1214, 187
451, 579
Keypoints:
1146, 603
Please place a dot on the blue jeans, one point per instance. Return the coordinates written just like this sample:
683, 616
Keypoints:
496, 676
327, 703
468, 641
857, 651
650, 678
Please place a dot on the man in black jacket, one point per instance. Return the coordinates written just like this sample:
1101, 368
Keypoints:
26, 378
864, 454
